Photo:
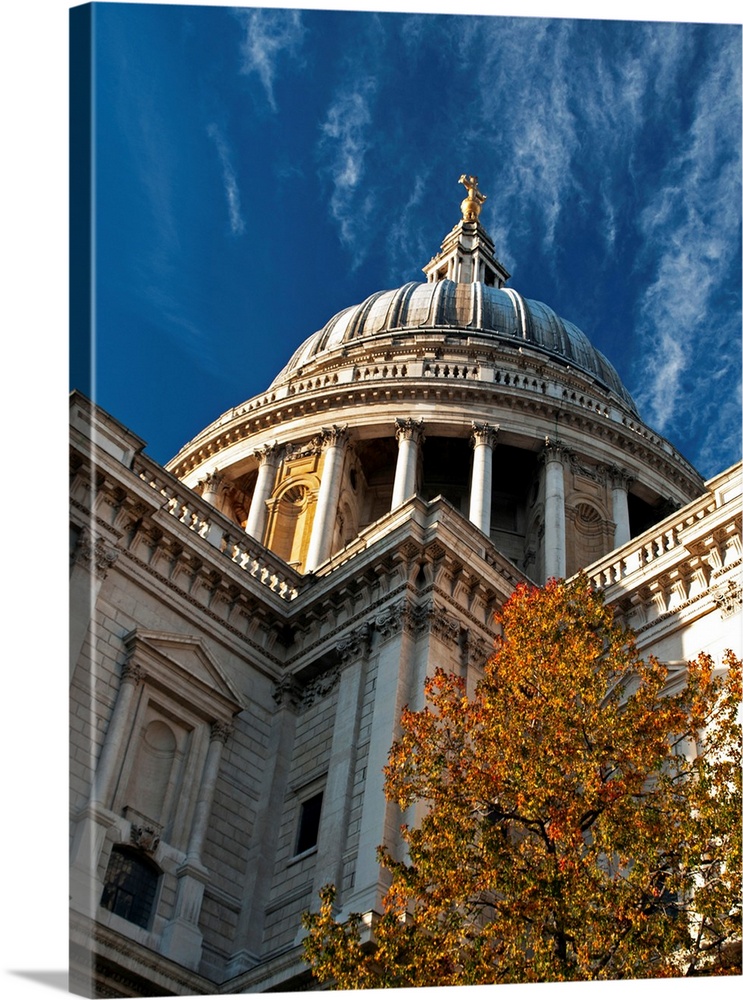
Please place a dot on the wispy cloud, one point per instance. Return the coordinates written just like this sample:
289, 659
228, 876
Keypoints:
693, 226
531, 127
564, 105
270, 35
344, 141
231, 190
405, 242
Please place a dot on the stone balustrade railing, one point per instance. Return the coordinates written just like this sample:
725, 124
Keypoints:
200, 517
632, 558
650, 547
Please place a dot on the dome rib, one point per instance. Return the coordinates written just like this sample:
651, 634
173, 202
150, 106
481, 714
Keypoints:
472, 307
400, 304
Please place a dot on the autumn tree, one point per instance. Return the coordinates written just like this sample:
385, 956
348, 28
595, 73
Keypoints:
569, 821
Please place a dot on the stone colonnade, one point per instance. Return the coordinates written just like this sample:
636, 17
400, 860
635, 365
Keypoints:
410, 439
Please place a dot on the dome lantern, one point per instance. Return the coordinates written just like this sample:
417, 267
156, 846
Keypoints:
467, 253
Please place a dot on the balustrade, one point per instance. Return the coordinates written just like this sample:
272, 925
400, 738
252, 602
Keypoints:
214, 528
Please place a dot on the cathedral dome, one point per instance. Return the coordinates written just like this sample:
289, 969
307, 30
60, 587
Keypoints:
437, 308
455, 386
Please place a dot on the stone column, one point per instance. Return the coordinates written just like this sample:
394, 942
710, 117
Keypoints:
481, 489
409, 434
620, 481
220, 733
182, 939
554, 510
213, 489
268, 458
118, 731
323, 525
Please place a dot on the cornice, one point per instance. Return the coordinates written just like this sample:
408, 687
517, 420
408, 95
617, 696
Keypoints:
414, 615
575, 406
188, 598
140, 962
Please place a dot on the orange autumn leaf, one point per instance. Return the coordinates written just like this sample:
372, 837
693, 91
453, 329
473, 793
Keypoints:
568, 831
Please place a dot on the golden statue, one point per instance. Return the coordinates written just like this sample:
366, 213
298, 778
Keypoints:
473, 202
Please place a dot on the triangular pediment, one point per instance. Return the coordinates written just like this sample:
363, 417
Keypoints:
186, 656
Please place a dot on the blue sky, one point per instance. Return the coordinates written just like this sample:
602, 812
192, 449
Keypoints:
258, 170
694, 184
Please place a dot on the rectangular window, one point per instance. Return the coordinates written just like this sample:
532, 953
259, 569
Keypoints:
309, 823
131, 885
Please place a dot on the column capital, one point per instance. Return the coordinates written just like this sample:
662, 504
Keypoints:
619, 478
407, 429
220, 732
484, 434
269, 454
553, 450
333, 437
212, 481
133, 673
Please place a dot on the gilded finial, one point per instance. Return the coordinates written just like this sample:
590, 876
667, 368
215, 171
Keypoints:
473, 202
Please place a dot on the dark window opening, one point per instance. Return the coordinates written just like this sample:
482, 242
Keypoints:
309, 823
642, 515
131, 885
446, 470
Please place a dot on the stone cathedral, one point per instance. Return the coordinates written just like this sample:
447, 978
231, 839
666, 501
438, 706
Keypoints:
248, 622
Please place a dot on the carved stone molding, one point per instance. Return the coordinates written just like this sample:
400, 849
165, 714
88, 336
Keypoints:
146, 838
356, 644
389, 621
253, 612
475, 650
596, 473
298, 696
415, 619
553, 450
212, 482
409, 550
728, 599
442, 626
320, 687
97, 554
287, 692
312, 447
619, 478
434, 552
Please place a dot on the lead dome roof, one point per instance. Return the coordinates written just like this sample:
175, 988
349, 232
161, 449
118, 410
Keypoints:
437, 308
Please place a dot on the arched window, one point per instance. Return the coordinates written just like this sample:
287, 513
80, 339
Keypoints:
131, 885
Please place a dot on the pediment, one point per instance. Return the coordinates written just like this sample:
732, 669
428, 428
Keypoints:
186, 663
